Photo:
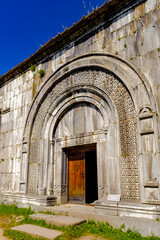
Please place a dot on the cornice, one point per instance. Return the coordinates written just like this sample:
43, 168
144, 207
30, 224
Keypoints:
104, 14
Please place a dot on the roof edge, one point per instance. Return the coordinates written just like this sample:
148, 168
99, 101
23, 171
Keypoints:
105, 11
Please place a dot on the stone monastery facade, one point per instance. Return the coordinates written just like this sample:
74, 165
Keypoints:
79, 119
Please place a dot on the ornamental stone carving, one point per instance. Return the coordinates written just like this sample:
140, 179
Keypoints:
116, 90
102, 192
60, 190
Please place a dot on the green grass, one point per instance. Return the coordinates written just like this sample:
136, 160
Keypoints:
15, 235
14, 210
90, 227
70, 232
53, 213
41, 223
48, 213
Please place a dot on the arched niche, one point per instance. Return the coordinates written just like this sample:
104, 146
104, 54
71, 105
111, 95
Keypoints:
86, 117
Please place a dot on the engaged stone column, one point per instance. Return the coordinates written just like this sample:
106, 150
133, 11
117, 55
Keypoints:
101, 164
149, 160
24, 166
51, 168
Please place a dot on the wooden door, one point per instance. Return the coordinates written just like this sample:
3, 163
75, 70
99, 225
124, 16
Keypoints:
76, 177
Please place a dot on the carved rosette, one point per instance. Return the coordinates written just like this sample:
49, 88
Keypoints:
60, 190
102, 193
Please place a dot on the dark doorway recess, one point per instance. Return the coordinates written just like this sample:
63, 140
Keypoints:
82, 174
91, 176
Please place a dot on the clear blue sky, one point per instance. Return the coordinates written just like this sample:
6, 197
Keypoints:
25, 25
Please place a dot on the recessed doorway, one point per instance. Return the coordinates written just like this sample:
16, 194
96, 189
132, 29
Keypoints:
82, 174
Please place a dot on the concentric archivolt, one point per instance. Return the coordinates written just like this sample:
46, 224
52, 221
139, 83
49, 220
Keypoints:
112, 86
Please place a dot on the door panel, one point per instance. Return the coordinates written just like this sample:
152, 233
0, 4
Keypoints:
76, 177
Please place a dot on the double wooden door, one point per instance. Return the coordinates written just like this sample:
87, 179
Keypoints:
82, 174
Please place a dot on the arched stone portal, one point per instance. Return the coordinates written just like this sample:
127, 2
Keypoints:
85, 122
98, 104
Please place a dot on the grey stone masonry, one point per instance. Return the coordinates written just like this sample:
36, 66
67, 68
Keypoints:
100, 91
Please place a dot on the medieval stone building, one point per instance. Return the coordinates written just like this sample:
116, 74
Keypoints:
79, 118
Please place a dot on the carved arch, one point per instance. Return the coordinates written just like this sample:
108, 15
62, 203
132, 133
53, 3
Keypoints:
128, 75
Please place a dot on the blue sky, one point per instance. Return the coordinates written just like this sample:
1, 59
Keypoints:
28, 24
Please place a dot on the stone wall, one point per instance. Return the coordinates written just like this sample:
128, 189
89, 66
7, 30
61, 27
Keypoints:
134, 36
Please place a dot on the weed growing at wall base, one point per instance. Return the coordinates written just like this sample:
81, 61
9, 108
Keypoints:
14, 210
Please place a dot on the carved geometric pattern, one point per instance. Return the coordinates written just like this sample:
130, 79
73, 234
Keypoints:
64, 190
60, 190
57, 190
119, 94
33, 173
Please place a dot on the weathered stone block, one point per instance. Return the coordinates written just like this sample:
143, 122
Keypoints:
91, 94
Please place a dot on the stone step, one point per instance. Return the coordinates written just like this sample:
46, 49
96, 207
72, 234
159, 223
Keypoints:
146, 227
58, 220
37, 231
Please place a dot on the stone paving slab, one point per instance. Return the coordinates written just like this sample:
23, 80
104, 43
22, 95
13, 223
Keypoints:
58, 220
37, 231
146, 227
